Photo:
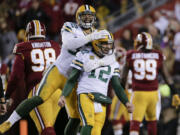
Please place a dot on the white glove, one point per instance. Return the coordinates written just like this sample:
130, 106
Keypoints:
107, 60
93, 64
97, 35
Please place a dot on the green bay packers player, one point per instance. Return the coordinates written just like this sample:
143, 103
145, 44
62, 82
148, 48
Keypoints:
146, 63
74, 37
92, 86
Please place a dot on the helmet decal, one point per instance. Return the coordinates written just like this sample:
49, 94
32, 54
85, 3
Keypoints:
35, 29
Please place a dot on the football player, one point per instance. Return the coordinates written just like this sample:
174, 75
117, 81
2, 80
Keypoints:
74, 37
146, 63
93, 86
2, 99
32, 58
118, 112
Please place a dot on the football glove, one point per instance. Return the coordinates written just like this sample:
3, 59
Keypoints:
175, 100
90, 65
107, 60
97, 35
93, 64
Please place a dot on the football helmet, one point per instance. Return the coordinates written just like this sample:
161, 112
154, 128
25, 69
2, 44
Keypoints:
104, 46
86, 16
143, 40
35, 29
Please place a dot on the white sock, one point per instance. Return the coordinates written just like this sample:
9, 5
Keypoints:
118, 132
14, 118
134, 133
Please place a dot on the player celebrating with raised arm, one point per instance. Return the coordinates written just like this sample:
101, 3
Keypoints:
74, 36
92, 86
32, 58
145, 64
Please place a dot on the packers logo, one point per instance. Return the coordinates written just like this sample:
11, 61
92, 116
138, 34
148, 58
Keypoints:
91, 57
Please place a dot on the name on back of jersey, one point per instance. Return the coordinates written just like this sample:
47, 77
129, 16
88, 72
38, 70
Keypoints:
41, 44
145, 56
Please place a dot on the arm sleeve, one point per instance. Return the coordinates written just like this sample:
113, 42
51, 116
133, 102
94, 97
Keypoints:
119, 90
73, 41
71, 82
16, 76
1, 89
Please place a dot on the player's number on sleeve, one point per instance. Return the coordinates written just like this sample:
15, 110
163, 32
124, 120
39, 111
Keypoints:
42, 58
145, 69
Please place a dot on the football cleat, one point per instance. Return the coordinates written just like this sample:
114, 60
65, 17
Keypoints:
5, 126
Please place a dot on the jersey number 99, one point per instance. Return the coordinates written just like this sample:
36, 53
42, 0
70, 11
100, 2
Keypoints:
145, 69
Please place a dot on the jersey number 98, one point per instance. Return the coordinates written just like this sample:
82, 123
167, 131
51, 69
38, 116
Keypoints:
42, 58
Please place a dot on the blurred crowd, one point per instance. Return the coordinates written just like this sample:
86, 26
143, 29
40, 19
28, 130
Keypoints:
164, 26
14, 16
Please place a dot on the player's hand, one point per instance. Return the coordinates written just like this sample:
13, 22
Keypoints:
61, 101
90, 65
3, 107
175, 100
107, 60
93, 64
129, 107
97, 35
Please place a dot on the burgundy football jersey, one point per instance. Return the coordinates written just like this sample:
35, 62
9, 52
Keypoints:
31, 59
145, 67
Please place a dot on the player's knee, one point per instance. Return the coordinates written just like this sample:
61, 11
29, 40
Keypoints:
48, 131
96, 130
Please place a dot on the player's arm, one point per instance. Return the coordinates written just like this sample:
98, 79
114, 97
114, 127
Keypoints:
70, 84
168, 79
16, 76
124, 75
73, 40
119, 91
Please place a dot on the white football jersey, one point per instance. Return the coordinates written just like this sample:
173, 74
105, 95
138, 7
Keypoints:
72, 39
97, 80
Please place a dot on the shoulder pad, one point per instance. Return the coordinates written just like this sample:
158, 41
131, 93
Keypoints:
69, 26
20, 47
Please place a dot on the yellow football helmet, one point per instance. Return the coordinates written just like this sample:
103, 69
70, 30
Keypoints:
104, 46
143, 40
86, 16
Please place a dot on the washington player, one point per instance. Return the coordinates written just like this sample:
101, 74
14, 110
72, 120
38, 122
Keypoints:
145, 64
32, 58
92, 86
74, 36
